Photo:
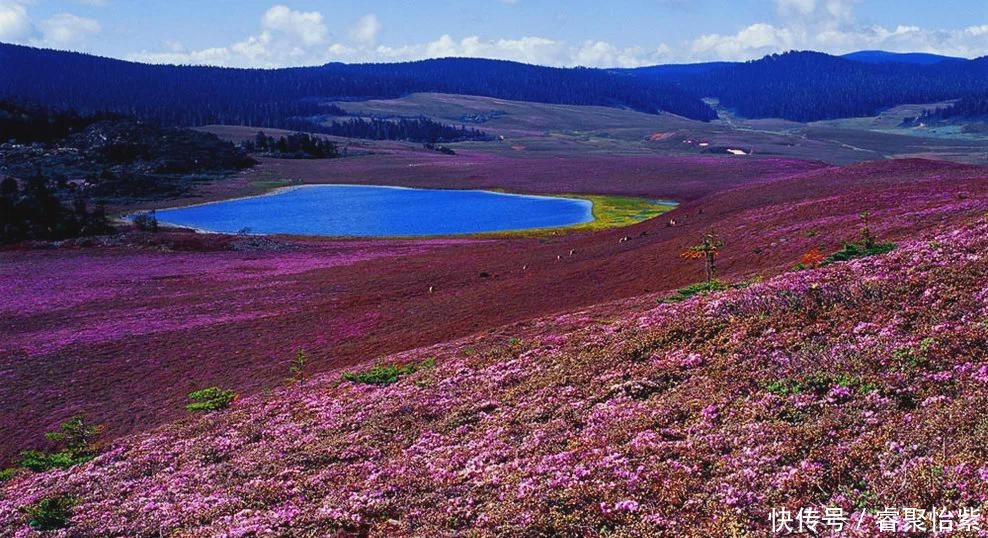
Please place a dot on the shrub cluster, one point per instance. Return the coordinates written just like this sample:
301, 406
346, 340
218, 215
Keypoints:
77, 444
386, 374
210, 399
50, 513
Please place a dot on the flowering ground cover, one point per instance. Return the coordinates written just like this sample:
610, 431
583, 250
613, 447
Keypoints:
106, 281
123, 334
857, 385
680, 178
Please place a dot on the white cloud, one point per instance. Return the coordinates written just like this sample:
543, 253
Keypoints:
59, 30
307, 27
288, 38
977, 31
602, 53
526, 49
15, 25
267, 50
366, 29
67, 29
830, 26
755, 40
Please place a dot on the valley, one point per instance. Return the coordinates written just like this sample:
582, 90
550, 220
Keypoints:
695, 316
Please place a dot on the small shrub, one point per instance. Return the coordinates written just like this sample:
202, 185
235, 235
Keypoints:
77, 439
810, 260
868, 246
387, 374
210, 399
77, 435
818, 384
906, 357
50, 513
784, 387
707, 251
853, 251
38, 461
699, 288
297, 368
146, 222
9, 474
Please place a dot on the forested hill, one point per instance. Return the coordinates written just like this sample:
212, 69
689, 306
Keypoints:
187, 95
881, 57
799, 86
809, 86
970, 108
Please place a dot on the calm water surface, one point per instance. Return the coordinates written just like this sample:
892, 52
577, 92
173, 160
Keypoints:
366, 211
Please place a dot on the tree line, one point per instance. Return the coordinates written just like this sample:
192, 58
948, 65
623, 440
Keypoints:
25, 123
292, 146
198, 95
972, 107
36, 211
811, 86
410, 129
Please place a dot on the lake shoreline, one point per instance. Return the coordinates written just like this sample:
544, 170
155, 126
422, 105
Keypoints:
482, 206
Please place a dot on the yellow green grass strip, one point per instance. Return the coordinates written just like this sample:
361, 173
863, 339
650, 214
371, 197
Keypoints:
608, 212
618, 211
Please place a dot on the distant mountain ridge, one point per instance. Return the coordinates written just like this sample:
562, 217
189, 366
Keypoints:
675, 70
799, 86
809, 86
197, 95
917, 58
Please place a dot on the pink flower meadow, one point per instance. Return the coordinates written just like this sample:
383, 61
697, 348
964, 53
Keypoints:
857, 385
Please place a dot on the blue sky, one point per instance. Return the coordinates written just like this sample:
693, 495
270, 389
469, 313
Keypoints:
270, 33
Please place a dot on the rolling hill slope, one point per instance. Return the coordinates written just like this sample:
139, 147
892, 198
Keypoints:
347, 302
191, 95
836, 387
810, 86
917, 58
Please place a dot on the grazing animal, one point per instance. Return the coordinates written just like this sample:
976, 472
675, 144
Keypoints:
432, 289
558, 258
572, 252
672, 222
524, 268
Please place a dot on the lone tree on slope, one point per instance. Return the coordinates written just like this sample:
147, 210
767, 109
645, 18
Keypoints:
706, 251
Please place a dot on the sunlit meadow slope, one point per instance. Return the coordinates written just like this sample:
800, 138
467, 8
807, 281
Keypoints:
142, 325
855, 385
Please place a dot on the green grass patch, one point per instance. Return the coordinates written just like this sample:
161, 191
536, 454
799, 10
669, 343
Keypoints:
700, 288
853, 251
818, 384
608, 212
386, 374
9, 474
210, 399
785, 387
620, 211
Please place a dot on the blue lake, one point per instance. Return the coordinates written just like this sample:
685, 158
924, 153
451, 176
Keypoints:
367, 211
